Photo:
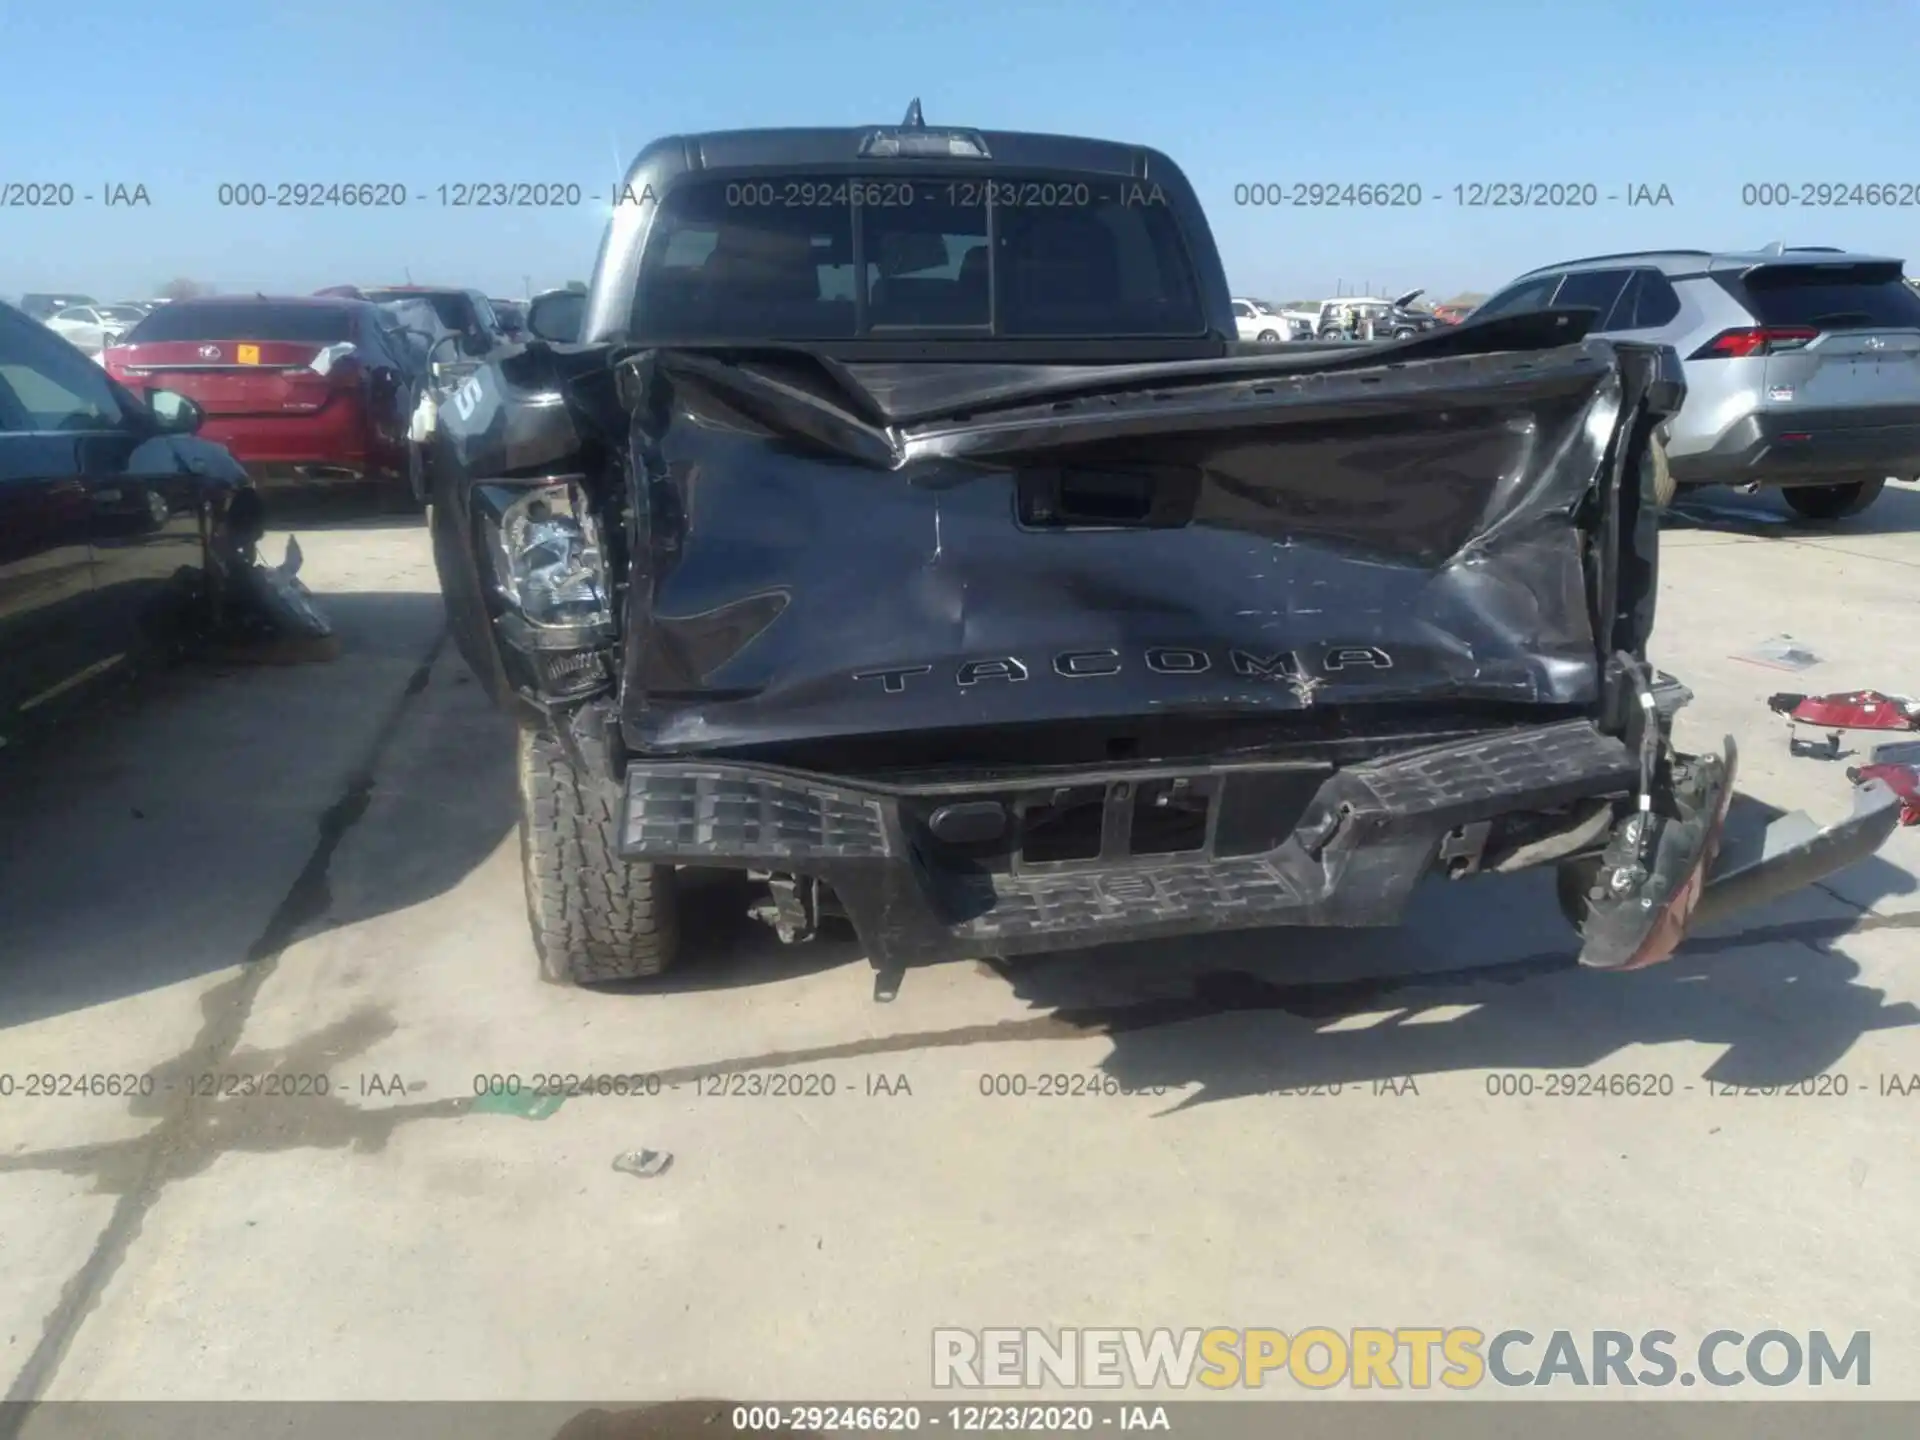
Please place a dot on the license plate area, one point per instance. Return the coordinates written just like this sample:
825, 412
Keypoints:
1075, 827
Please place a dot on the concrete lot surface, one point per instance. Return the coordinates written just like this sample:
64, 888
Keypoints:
311, 871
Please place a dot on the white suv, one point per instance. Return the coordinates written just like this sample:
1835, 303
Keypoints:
91, 328
1802, 362
1255, 321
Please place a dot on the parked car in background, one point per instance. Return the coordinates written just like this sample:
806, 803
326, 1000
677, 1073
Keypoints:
1304, 322
1394, 319
45, 307
91, 328
1802, 363
1403, 318
1340, 319
467, 314
1256, 321
513, 318
455, 331
112, 513
302, 389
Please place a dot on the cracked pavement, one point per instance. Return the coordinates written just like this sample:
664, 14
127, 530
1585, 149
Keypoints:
272, 916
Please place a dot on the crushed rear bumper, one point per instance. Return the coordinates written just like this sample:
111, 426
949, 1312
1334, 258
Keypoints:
1278, 843
1794, 852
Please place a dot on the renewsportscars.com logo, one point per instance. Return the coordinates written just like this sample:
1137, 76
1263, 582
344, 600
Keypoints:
1416, 1358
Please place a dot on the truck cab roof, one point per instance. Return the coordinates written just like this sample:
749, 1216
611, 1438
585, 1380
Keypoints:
1062, 173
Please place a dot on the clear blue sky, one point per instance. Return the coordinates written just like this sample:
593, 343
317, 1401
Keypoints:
1698, 95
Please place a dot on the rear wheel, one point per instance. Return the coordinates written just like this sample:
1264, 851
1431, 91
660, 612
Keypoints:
1832, 502
596, 918
406, 493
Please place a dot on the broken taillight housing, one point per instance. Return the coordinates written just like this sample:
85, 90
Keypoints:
550, 563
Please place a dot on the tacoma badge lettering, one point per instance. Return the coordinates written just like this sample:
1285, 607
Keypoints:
1284, 665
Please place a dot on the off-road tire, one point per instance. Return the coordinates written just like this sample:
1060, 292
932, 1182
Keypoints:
405, 491
1832, 502
596, 918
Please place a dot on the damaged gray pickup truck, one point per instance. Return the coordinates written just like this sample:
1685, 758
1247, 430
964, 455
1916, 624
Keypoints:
902, 524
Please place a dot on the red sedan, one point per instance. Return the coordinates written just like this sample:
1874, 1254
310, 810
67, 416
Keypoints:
301, 389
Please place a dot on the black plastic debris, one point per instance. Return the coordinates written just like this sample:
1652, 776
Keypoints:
280, 596
647, 1164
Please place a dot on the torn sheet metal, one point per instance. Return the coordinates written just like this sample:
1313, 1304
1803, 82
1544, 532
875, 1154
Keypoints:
1222, 545
1795, 852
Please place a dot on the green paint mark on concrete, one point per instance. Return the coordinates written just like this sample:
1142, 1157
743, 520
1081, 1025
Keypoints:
528, 1104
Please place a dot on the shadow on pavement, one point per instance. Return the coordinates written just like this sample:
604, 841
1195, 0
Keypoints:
346, 507
1765, 986
185, 825
1764, 513
1246, 1012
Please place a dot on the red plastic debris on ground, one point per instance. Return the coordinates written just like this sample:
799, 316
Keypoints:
1849, 710
1903, 780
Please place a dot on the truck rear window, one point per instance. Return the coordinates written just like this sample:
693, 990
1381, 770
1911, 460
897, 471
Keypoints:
301, 324
827, 257
1833, 297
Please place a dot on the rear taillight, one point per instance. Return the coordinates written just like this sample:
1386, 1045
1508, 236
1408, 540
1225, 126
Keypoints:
1755, 340
313, 386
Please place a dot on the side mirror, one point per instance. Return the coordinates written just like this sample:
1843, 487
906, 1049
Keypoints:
177, 414
556, 318
475, 342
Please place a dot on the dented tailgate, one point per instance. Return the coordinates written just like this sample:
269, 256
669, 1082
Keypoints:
1022, 548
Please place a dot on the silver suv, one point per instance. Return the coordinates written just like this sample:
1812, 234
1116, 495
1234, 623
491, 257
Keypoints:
1802, 363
